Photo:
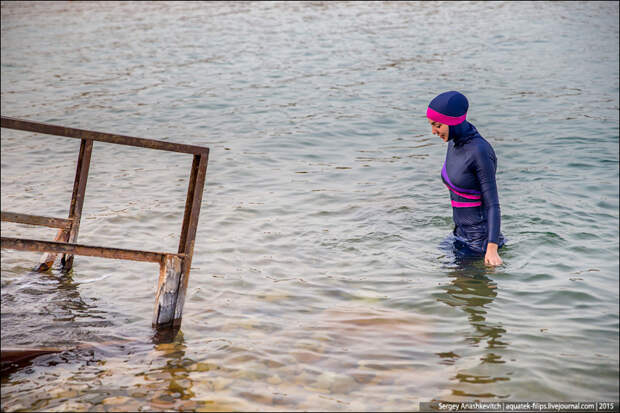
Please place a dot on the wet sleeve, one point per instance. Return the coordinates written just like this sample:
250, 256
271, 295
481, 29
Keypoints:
485, 165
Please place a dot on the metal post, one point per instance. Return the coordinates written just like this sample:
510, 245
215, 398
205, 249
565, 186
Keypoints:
192, 208
172, 281
77, 198
194, 193
174, 268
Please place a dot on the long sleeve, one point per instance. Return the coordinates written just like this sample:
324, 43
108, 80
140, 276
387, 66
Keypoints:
485, 166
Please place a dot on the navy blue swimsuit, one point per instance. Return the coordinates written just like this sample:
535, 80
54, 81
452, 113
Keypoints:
469, 174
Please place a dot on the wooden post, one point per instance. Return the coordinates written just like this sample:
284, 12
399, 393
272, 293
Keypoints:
77, 198
170, 295
48, 258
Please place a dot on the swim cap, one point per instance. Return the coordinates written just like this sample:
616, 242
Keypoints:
449, 108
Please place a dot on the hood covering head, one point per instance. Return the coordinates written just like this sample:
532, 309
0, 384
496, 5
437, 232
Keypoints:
450, 108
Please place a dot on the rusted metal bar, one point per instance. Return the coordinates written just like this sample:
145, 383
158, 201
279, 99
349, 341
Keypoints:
35, 220
45, 128
78, 249
174, 273
188, 231
77, 198
10, 355
192, 206
174, 268
47, 259
15, 354
191, 187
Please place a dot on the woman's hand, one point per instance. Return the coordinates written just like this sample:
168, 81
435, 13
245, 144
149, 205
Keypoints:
492, 257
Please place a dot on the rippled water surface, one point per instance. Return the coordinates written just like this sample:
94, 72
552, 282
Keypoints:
318, 281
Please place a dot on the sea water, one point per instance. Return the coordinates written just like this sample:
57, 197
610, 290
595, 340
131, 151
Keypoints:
318, 281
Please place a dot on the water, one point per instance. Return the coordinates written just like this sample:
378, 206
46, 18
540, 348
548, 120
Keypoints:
317, 282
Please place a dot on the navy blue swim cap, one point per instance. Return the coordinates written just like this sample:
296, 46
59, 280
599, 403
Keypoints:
449, 108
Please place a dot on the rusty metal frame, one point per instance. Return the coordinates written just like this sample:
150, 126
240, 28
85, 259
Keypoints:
66, 240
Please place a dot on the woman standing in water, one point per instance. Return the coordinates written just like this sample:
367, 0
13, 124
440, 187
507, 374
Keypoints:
469, 174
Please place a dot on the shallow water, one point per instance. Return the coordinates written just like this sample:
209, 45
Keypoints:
317, 281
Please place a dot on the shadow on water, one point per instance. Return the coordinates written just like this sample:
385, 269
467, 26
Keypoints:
472, 291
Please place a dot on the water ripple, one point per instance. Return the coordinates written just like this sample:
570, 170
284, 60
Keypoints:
318, 280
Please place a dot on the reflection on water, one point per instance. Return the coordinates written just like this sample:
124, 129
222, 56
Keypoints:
164, 335
168, 386
473, 292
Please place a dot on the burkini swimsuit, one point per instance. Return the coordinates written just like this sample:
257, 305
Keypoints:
469, 174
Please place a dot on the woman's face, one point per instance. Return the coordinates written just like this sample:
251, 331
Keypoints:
439, 129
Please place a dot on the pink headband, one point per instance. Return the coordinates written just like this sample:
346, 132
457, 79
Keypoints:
445, 119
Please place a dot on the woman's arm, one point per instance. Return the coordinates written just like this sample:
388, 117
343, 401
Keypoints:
485, 170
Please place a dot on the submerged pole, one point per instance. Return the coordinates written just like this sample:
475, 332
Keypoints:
170, 295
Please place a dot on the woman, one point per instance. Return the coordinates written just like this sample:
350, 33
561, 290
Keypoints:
469, 174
